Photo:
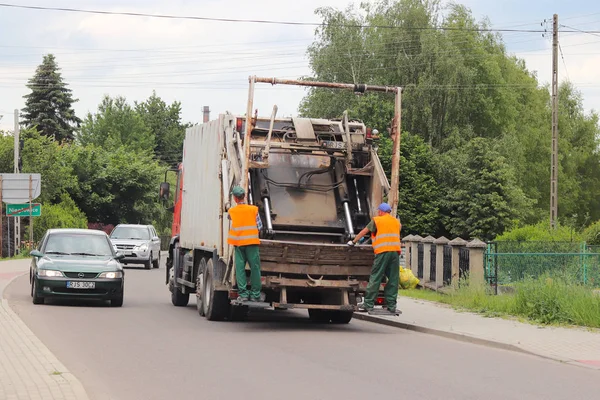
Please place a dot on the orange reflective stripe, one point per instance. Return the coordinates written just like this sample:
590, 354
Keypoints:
243, 231
388, 234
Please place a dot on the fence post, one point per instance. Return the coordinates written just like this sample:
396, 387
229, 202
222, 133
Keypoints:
439, 261
414, 254
476, 261
408, 251
456, 245
427, 258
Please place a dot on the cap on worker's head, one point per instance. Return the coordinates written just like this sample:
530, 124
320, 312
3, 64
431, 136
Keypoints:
385, 207
238, 192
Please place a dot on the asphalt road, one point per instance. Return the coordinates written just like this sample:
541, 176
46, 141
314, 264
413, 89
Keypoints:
149, 349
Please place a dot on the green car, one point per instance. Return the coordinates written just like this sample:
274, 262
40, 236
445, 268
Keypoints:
76, 263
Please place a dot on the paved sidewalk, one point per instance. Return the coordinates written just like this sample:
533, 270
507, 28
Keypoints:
28, 370
571, 345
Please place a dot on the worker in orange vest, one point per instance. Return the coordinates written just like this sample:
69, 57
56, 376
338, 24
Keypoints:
385, 233
243, 235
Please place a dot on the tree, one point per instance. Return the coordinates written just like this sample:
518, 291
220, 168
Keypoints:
48, 107
164, 121
481, 196
116, 185
116, 124
42, 154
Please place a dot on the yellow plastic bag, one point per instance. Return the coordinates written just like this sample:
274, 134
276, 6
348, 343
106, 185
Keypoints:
407, 279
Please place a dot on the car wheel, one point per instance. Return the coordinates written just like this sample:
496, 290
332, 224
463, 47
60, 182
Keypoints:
118, 302
35, 298
148, 264
156, 263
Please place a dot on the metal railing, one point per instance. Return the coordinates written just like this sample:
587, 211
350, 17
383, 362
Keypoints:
509, 262
420, 253
463, 262
432, 262
447, 265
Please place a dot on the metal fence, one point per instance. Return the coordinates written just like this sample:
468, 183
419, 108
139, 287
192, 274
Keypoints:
420, 260
432, 262
509, 262
447, 264
463, 262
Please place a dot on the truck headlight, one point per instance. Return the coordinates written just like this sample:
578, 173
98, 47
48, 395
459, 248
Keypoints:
49, 273
111, 275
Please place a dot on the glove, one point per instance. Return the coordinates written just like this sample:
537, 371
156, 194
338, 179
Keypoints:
350, 243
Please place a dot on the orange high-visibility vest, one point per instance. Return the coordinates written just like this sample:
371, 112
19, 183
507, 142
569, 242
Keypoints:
388, 234
243, 231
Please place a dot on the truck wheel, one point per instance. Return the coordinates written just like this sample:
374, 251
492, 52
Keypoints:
318, 316
215, 304
333, 316
200, 287
341, 317
179, 299
238, 313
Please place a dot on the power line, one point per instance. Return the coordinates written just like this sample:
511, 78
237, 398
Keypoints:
262, 21
564, 62
593, 33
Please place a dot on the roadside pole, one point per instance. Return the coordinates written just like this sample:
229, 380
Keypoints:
17, 220
30, 214
1, 221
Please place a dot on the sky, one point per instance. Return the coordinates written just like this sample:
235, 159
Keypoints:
201, 63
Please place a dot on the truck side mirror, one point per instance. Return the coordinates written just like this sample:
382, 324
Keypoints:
165, 189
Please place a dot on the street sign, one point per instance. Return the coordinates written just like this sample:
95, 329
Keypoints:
22, 210
15, 187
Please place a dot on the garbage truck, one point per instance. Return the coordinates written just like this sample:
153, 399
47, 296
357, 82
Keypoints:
316, 182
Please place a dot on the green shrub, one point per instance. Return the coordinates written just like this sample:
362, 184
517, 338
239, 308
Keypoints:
592, 234
541, 232
62, 215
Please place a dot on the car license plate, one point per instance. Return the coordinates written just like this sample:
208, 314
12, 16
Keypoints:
81, 285
128, 253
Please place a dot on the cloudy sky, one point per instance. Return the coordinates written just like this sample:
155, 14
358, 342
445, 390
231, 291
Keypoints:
208, 63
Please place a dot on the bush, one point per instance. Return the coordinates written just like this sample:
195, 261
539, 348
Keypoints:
62, 215
541, 232
592, 234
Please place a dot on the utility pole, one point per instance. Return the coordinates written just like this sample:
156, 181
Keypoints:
554, 167
17, 220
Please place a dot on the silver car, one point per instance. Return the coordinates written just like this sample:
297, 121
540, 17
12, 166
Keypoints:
139, 243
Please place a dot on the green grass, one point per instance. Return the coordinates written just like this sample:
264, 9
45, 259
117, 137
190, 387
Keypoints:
545, 301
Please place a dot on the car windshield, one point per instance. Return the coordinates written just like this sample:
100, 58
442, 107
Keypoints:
130, 232
78, 244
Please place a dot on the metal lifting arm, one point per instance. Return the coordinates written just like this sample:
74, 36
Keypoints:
357, 88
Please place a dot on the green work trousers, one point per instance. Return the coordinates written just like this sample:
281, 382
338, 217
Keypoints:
248, 254
385, 265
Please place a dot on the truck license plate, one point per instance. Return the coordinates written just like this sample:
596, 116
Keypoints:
81, 285
334, 145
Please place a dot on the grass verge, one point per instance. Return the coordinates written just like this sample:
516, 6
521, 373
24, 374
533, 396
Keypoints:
544, 301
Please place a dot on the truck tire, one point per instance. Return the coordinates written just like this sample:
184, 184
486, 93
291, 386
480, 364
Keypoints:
200, 287
341, 317
179, 299
238, 313
215, 304
333, 316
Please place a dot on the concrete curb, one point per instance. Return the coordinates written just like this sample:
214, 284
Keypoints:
448, 335
465, 338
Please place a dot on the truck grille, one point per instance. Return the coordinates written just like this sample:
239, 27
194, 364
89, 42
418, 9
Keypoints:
86, 275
